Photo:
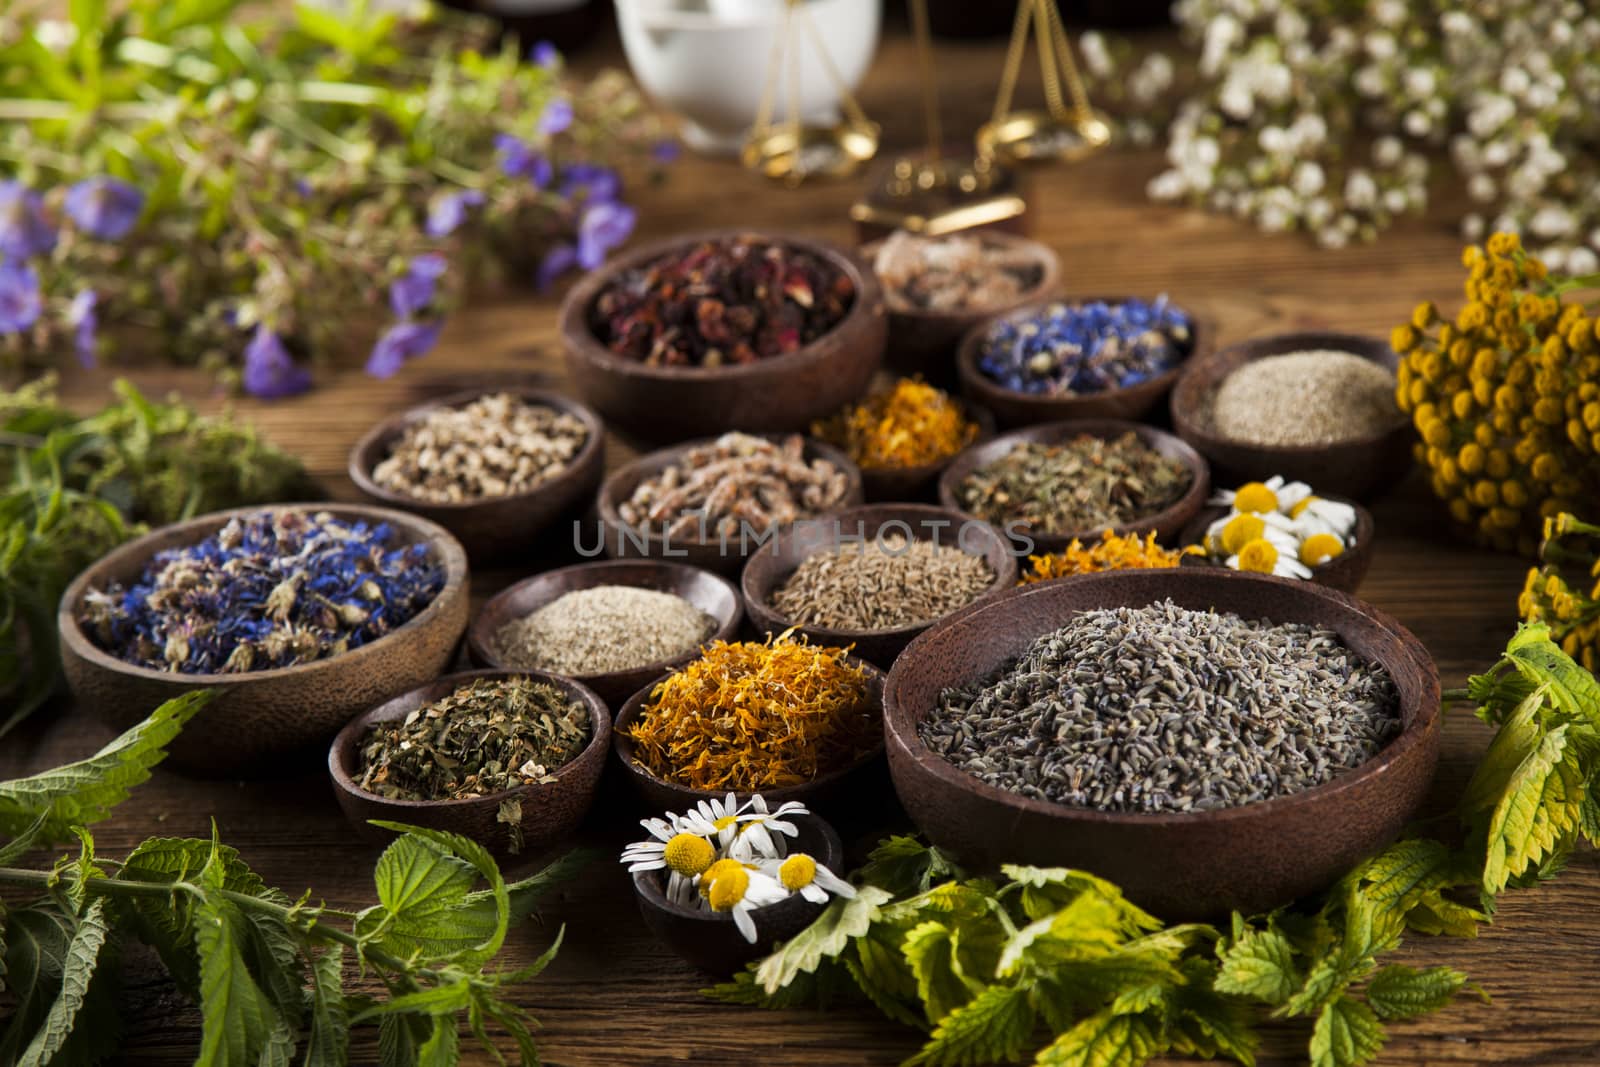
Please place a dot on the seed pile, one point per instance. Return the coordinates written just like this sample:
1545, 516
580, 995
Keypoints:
490, 735
1164, 709
1317, 397
960, 272
602, 629
498, 445
881, 584
1082, 349
1085, 483
736, 479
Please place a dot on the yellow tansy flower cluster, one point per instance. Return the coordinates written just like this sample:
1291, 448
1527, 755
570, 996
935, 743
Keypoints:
1506, 397
1550, 597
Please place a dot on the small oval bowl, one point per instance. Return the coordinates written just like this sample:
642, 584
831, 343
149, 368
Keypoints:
895, 485
924, 341
710, 941
260, 716
1013, 408
626, 542
711, 593
550, 810
658, 794
1359, 469
781, 393
776, 560
489, 528
1344, 572
1165, 523
1179, 865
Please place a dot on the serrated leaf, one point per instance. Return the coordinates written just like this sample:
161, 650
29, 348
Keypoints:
1087, 928
1104, 1040
1400, 992
996, 1026
1046, 890
398, 1040
1260, 964
1405, 872
32, 836
842, 921
236, 1018
328, 1039
80, 958
1517, 738
1437, 914
1538, 812
1572, 689
931, 956
423, 890
449, 998
36, 939
906, 1011
905, 866
85, 792
443, 1047
1138, 999
1347, 1034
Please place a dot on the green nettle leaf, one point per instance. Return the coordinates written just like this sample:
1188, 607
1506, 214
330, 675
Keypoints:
1517, 739
1538, 812
881, 971
78, 963
423, 879
1399, 992
905, 866
1347, 1034
1405, 872
1260, 964
443, 1047
24, 842
36, 940
328, 1042
842, 921
1088, 928
1046, 890
1572, 689
67, 1007
1104, 1040
398, 1040
236, 1017
996, 1026
929, 951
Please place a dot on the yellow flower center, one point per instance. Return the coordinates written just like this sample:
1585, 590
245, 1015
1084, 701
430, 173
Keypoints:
1240, 531
1253, 496
728, 889
725, 822
1258, 556
1300, 506
715, 871
797, 872
688, 854
1320, 548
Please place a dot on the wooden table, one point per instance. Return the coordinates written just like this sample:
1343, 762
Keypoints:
615, 996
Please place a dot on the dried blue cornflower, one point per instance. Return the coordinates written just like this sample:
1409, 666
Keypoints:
20, 302
105, 208
268, 590
1079, 349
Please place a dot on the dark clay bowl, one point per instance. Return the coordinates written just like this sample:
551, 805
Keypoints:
711, 593
1344, 572
491, 528
781, 393
710, 941
1166, 523
550, 810
660, 795
924, 342
625, 542
1013, 408
1359, 468
776, 560
260, 716
899, 485
1181, 865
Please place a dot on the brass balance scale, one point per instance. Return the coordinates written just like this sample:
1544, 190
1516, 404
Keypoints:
931, 192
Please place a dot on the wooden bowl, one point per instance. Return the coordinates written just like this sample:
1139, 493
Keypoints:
550, 810
781, 393
907, 485
1344, 572
776, 560
489, 528
1013, 408
1360, 468
711, 593
1166, 523
258, 717
660, 795
1180, 865
622, 541
924, 342
710, 940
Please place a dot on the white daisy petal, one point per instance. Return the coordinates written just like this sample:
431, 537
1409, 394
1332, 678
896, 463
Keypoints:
746, 925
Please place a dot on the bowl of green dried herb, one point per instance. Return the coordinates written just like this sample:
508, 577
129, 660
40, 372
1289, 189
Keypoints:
510, 759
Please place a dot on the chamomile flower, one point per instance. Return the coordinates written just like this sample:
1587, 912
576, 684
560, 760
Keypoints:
1274, 494
730, 886
683, 855
801, 873
761, 833
1261, 556
715, 818
1313, 515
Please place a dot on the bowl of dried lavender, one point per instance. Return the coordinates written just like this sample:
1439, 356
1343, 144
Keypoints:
873, 578
1061, 482
724, 331
494, 467
612, 625
510, 759
712, 503
297, 615
1207, 739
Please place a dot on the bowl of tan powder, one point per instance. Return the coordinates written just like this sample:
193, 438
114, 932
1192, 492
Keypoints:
1313, 407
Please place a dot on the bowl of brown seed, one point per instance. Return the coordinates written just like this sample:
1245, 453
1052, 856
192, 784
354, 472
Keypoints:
1058, 482
510, 759
875, 577
712, 503
611, 625
493, 467
1207, 739
1315, 407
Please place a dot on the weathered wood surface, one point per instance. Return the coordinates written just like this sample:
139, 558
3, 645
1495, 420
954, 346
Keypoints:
616, 997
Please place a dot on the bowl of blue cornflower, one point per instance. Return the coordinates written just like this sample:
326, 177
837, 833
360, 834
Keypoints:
296, 616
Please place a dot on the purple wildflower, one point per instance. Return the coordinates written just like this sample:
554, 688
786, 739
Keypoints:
545, 55
603, 227
269, 371
666, 150
557, 117
519, 160
594, 182
413, 290
105, 208
448, 212
401, 342
556, 262
20, 302
84, 321
24, 231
